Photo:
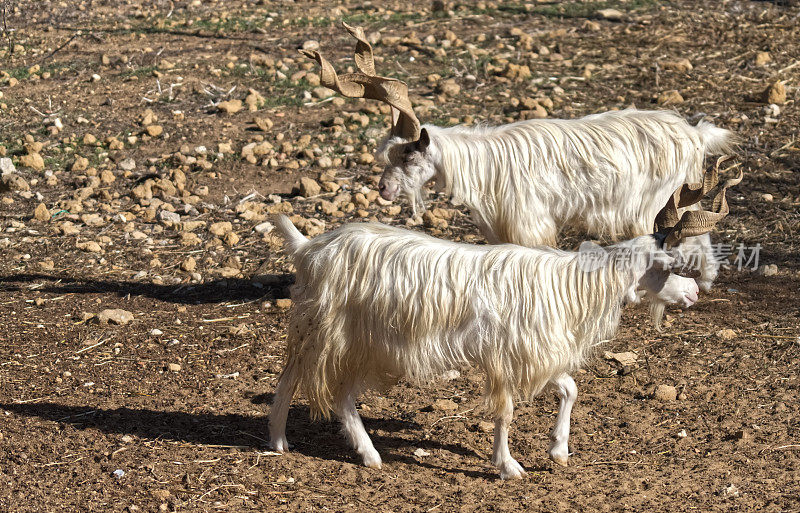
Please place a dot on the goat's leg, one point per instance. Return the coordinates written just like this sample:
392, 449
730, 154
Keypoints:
354, 430
501, 456
567, 392
709, 266
280, 407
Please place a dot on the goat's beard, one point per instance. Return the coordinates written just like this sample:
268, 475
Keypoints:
413, 194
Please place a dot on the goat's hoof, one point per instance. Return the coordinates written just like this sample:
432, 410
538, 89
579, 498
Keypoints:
559, 456
561, 459
280, 445
373, 461
511, 470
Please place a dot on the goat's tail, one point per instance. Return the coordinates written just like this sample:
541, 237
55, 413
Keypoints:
716, 141
294, 239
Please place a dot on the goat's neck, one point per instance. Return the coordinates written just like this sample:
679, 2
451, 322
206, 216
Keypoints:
459, 162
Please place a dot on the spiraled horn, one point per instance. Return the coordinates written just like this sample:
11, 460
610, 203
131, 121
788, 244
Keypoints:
366, 84
694, 222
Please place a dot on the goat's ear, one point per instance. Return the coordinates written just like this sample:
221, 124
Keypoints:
423, 142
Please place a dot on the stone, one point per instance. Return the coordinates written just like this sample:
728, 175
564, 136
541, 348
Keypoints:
625, 358
169, 218
311, 45
7, 166
665, 393
264, 228
115, 316
767, 270
485, 426
309, 187
671, 97
444, 405
154, 130
189, 264
220, 229
254, 100
174, 367
80, 164
448, 88
127, 164
283, 303
33, 161
322, 92
680, 65
774, 93
230, 106
762, 58
41, 213
421, 453
90, 246
610, 14
726, 334
14, 182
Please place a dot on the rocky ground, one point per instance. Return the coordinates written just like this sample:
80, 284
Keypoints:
145, 146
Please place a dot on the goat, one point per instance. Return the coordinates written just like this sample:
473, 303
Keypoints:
606, 174
374, 303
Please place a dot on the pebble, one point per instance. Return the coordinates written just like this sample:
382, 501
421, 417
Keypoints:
309, 187
774, 93
444, 405
283, 303
174, 367
7, 166
127, 164
220, 229
767, 270
33, 161
167, 217
155, 332
627, 358
115, 316
610, 14
154, 130
230, 106
665, 393
726, 334
189, 264
264, 228
485, 426
41, 213
421, 453
671, 97
89, 246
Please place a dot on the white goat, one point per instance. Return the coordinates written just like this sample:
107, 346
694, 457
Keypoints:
374, 304
607, 174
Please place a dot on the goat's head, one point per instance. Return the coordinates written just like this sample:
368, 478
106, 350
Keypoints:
408, 165
660, 281
403, 152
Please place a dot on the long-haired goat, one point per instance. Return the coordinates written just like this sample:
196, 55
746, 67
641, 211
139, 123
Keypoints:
606, 174
375, 303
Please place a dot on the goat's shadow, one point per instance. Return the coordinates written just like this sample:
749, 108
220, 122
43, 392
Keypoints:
318, 439
267, 286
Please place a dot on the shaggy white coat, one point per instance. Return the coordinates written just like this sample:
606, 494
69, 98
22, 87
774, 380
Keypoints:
606, 174
374, 304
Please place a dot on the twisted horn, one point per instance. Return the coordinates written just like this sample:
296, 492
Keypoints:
366, 84
695, 222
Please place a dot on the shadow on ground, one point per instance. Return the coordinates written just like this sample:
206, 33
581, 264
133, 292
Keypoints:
318, 439
267, 286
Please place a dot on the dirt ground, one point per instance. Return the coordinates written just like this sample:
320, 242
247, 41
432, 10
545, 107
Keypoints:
122, 210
